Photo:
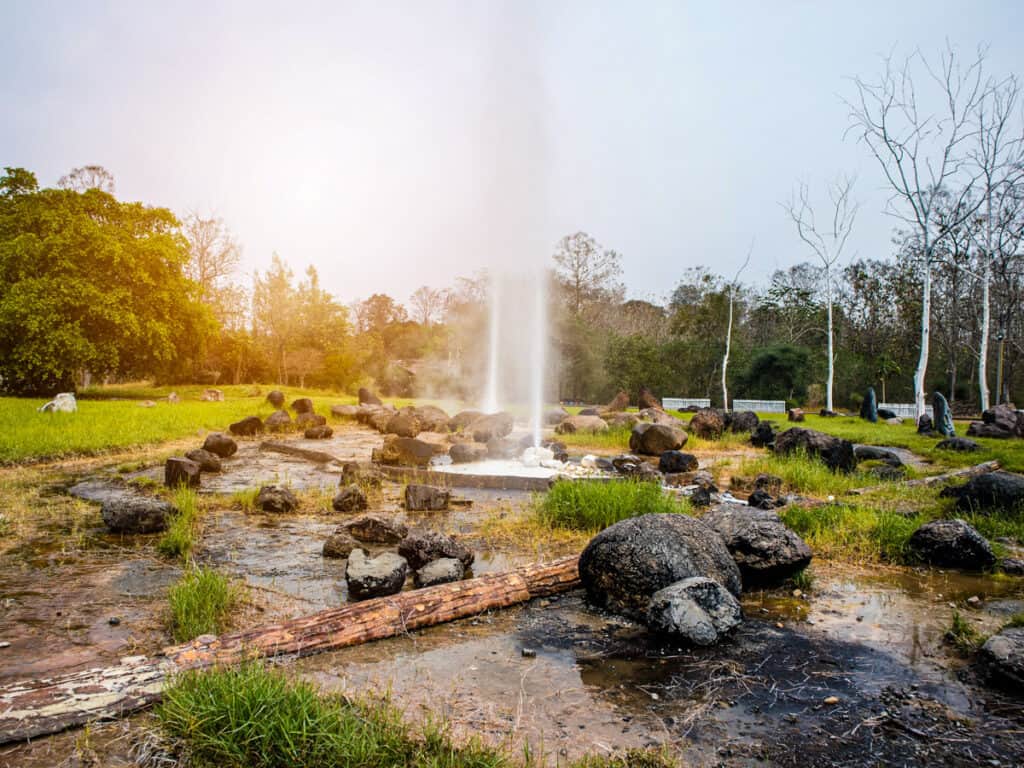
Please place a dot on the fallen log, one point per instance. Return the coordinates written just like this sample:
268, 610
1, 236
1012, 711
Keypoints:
956, 474
40, 707
317, 457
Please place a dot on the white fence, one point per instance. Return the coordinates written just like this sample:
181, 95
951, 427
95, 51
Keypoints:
678, 403
906, 410
761, 406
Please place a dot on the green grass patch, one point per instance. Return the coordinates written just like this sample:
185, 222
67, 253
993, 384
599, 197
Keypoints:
590, 505
853, 531
181, 533
1017, 620
616, 438
962, 636
201, 602
257, 717
245, 499
806, 474
803, 579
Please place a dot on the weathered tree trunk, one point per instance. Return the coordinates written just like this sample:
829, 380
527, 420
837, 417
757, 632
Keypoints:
978, 469
926, 329
39, 707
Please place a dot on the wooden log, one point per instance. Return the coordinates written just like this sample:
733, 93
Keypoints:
317, 457
956, 474
39, 707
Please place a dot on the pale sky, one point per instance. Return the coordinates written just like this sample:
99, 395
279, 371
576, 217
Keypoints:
393, 144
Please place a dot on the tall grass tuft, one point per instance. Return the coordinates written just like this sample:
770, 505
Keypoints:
586, 505
257, 717
179, 538
853, 531
806, 474
201, 602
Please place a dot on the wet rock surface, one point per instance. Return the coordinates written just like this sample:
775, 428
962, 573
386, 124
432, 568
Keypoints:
465, 453
697, 611
765, 550
405, 452
422, 548
426, 498
220, 445
181, 471
136, 514
441, 571
629, 561
376, 529
207, 461
1002, 658
349, 498
275, 499
378, 576
339, 544
491, 426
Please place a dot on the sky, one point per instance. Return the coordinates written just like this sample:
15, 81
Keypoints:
397, 144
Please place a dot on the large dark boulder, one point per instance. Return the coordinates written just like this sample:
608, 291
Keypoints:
993, 490
697, 610
836, 453
958, 444
1002, 659
885, 414
743, 421
366, 397
404, 424
302, 405
349, 498
672, 462
136, 514
374, 577
181, 471
426, 498
869, 406
951, 544
207, 461
1000, 421
654, 439
276, 398
404, 452
629, 561
925, 426
247, 427
635, 467
339, 544
278, 421
376, 530
876, 453
707, 423
319, 432
422, 548
763, 435
765, 550
464, 453
220, 444
490, 426
276, 499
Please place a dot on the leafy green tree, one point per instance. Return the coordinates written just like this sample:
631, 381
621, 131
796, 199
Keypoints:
778, 372
89, 283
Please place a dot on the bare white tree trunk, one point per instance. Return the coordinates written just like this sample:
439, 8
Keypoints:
926, 330
831, 353
986, 326
725, 359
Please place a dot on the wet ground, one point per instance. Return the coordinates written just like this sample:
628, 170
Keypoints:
554, 674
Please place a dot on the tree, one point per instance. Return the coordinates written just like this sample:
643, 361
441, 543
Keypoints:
733, 286
88, 283
586, 271
374, 314
999, 157
778, 372
273, 318
214, 254
427, 305
88, 177
921, 154
827, 243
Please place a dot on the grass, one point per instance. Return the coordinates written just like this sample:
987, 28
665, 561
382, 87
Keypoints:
594, 505
181, 533
259, 717
1017, 620
201, 603
805, 474
854, 532
616, 439
802, 579
961, 635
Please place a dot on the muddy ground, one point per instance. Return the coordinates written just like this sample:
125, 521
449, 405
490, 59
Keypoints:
554, 674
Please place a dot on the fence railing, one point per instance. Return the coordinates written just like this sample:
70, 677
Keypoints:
762, 406
906, 410
678, 403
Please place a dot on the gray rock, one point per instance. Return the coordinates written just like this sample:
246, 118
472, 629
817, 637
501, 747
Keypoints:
993, 490
958, 444
951, 544
765, 550
874, 453
493, 425
770, 483
442, 571
943, 416
464, 453
220, 444
422, 548
349, 498
796, 414
635, 467
404, 452
763, 435
655, 439
869, 406
1012, 566
366, 397
302, 405
136, 514
1002, 659
376, 530
374, 577
836, 453
321, 432
925, 425
761, 499
580, 424
431, 418
364, 476
247, 427
671, 462
278, 421
276, 398
276, 499
626, 563
339, 544
1000, 421
743, 421
207, 461
555, 416
345, 411
697, 610
404, 424
426, 498
707, 423
463, 419
181, 471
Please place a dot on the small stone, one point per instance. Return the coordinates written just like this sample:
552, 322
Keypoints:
4, 644
831, 700
113, 621
529, 653
798, 593
779, 625
974, 600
